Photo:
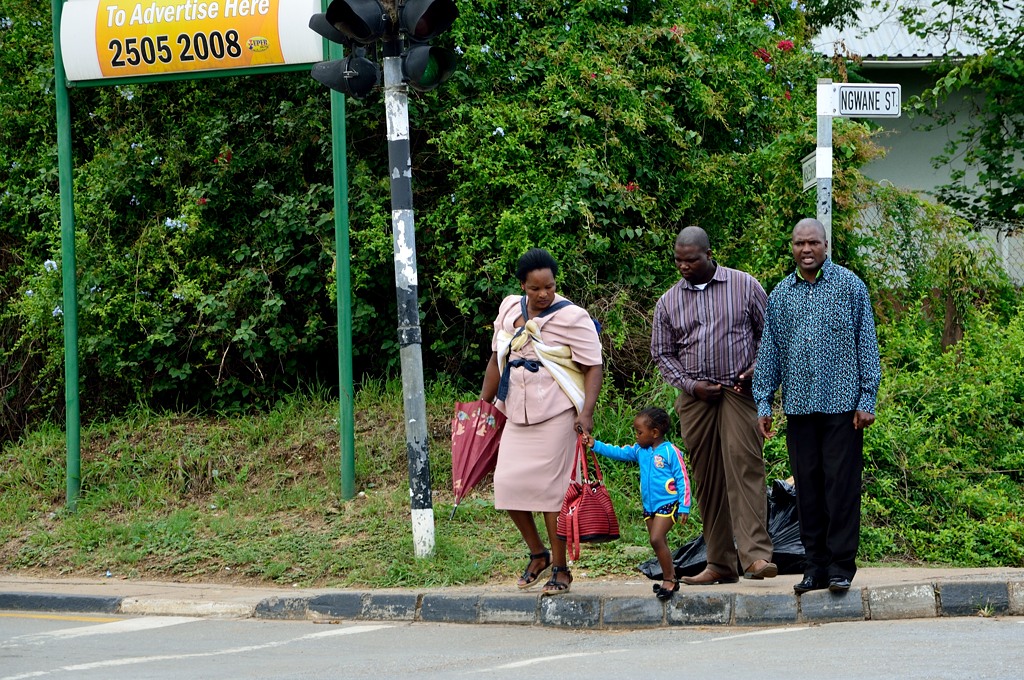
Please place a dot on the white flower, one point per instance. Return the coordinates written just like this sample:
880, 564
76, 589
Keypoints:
498, 131
793, 4
485, 49
458, 50
769, 22
57, 311
519, 16
50, 266
568, 27
29, 293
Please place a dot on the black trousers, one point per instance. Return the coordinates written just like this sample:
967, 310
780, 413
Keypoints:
826, 454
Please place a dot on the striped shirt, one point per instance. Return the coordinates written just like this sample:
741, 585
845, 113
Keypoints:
711, 334
819, 345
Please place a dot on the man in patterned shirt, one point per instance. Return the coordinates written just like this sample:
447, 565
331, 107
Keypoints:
706, 331
819, 345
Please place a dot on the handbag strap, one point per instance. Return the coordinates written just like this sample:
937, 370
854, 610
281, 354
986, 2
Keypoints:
581, 462
572, 541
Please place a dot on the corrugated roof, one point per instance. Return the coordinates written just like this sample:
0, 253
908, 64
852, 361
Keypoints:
878, 35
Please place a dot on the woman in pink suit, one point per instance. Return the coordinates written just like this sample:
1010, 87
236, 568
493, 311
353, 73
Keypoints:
544, 375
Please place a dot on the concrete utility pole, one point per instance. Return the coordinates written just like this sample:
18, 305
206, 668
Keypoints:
396, 104
824, 158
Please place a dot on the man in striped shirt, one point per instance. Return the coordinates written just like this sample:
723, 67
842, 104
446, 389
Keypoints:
707, 329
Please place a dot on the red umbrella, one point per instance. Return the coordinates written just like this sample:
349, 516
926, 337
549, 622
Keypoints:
476, 431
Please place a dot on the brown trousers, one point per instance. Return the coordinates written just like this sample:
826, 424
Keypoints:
727, 468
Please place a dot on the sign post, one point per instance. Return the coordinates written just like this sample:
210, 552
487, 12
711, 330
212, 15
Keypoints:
103, 39
106, 42
845, 100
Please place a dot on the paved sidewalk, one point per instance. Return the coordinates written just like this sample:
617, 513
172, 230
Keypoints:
877, 594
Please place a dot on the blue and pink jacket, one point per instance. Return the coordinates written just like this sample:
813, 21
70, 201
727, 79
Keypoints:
663, 477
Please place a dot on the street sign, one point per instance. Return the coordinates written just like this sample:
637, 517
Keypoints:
808, 165
866, 100
119, 38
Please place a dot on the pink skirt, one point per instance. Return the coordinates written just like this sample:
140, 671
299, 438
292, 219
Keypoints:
534, 464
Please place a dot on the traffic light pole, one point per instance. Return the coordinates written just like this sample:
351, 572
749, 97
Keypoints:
396, 105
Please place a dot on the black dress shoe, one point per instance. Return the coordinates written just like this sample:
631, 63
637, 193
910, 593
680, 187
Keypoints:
808, 584
839, 584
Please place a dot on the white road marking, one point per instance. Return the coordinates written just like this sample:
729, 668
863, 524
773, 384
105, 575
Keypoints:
114, 628
769, 631
131, 661
59, 617
540, 659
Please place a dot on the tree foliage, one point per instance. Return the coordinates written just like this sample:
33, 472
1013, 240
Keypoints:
203, 208
992, 134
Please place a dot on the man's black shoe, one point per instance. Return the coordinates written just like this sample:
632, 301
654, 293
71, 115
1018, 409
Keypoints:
810, 583
839, 584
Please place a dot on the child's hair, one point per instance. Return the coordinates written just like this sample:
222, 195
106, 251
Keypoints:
657, 417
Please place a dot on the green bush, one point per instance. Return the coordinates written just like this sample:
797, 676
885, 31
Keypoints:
204, 217
945, 460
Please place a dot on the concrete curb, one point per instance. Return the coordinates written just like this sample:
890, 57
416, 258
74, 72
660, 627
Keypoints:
690, 607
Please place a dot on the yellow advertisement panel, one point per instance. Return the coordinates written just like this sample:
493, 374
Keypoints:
170, 36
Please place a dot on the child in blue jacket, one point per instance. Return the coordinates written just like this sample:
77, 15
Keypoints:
664, 485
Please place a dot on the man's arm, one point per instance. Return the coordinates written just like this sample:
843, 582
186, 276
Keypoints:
663, 351
757, 301
869, 364
768, 373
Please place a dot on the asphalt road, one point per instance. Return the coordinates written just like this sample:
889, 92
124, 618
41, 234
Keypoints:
91, 647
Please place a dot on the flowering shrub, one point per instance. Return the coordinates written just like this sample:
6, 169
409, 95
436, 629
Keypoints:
205, 246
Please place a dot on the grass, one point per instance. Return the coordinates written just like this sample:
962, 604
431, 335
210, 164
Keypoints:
256, 499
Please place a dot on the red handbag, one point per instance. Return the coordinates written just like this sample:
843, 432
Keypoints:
587, 515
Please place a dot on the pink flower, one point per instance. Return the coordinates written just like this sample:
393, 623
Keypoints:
201, 201
631, 186
785, 45
787, 95
762, 54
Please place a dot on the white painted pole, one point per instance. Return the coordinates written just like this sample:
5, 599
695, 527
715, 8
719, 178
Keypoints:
823, 160
396, 105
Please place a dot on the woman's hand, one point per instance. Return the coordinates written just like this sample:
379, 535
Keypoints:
584, 424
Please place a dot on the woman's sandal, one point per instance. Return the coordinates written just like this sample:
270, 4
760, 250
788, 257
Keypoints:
529, 578
554, 586
665, 594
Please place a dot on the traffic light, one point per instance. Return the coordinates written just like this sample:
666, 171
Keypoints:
365, 22
425, 67
346, 22
355, 75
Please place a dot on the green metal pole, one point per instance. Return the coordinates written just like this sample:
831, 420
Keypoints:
68, 267
346, 408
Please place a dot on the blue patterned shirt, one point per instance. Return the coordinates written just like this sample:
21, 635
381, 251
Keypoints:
819, 345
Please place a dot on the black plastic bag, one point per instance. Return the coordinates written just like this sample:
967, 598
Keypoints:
783, 529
